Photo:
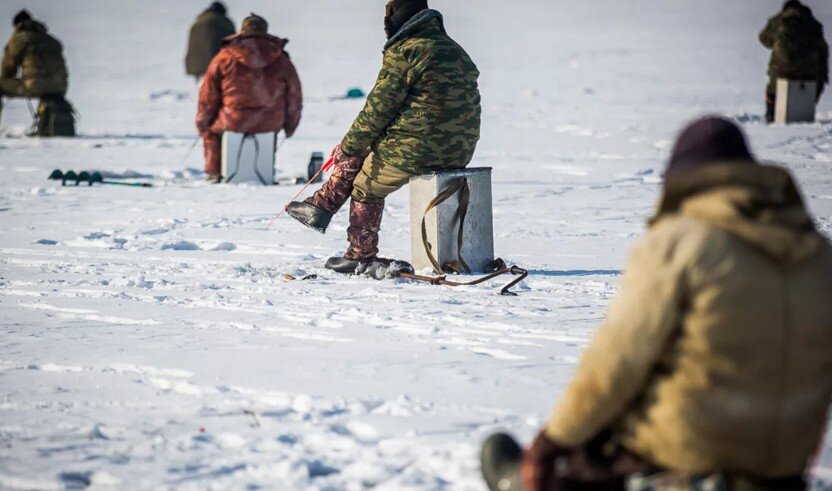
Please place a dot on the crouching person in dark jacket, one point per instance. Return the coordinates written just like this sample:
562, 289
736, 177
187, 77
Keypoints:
712, 368
33, 66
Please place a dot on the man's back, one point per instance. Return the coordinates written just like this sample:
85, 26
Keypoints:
253, 85
426, 102
799, 50
38, 57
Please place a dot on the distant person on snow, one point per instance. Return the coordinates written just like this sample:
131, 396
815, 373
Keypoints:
713, 368
251, 86
205, 39
422, 115
798, 50
33, 66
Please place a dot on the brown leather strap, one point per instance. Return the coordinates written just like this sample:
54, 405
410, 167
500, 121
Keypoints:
459, 185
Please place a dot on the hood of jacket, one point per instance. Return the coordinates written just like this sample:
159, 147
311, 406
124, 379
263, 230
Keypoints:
255, 50
759, 204
416, 23
32, 26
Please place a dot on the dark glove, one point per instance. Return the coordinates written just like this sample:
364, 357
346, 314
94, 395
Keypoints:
539, 464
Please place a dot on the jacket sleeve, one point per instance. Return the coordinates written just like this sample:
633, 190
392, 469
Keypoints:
768, 35
210, 97
294, 98
824, 60
12, 57
383, 105
617, 365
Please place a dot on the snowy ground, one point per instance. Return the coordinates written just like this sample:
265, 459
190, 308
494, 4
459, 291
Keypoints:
149, 339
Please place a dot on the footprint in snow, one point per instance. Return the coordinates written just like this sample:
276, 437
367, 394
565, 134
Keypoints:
182, 245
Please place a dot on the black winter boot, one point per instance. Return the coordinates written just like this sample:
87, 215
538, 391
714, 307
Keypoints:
500, 462
343, 265
310, 215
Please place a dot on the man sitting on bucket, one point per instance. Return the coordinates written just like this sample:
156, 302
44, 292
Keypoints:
713, 368
251, 86
422, 115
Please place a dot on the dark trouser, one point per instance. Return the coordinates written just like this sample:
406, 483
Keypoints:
771, 96
212, 143
15, 87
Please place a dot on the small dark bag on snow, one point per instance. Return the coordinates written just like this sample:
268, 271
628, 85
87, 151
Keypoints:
56, 117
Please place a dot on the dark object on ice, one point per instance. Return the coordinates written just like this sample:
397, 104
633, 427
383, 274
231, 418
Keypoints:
90, 178
798, 49
310, 215
398, 12
21, 17
313, 170
254, 24
55, 117
710, 140
205, 38
505, 290
500, 463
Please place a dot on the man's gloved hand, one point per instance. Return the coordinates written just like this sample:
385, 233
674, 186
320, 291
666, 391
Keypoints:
538, 467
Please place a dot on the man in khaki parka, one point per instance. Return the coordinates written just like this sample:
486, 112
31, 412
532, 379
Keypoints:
713, 366
422, 115
33, 63
205, 39
798, 50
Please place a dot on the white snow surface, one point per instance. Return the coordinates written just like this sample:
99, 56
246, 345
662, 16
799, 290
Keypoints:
150, 339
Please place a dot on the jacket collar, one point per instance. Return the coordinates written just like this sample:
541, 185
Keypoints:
759, 204
414, 24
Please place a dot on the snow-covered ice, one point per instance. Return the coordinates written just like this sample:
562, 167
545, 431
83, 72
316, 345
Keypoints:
150, 338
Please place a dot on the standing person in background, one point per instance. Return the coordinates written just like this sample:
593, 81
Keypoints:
251, 86
422, 115
205, 39
798, 50
713, 367
33, 66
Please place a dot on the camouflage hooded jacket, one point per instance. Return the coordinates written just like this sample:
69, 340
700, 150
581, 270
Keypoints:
798, 48
424, 111
39, 59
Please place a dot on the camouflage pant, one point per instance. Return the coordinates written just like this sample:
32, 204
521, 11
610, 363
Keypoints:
377, 180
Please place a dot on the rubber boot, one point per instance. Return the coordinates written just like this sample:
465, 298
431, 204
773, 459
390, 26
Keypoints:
500, 463
362, 234
310, 215
769, 111
317, 211
338, 188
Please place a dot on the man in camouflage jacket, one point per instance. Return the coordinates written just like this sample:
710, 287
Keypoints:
798, 50
422, 115
33, 63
